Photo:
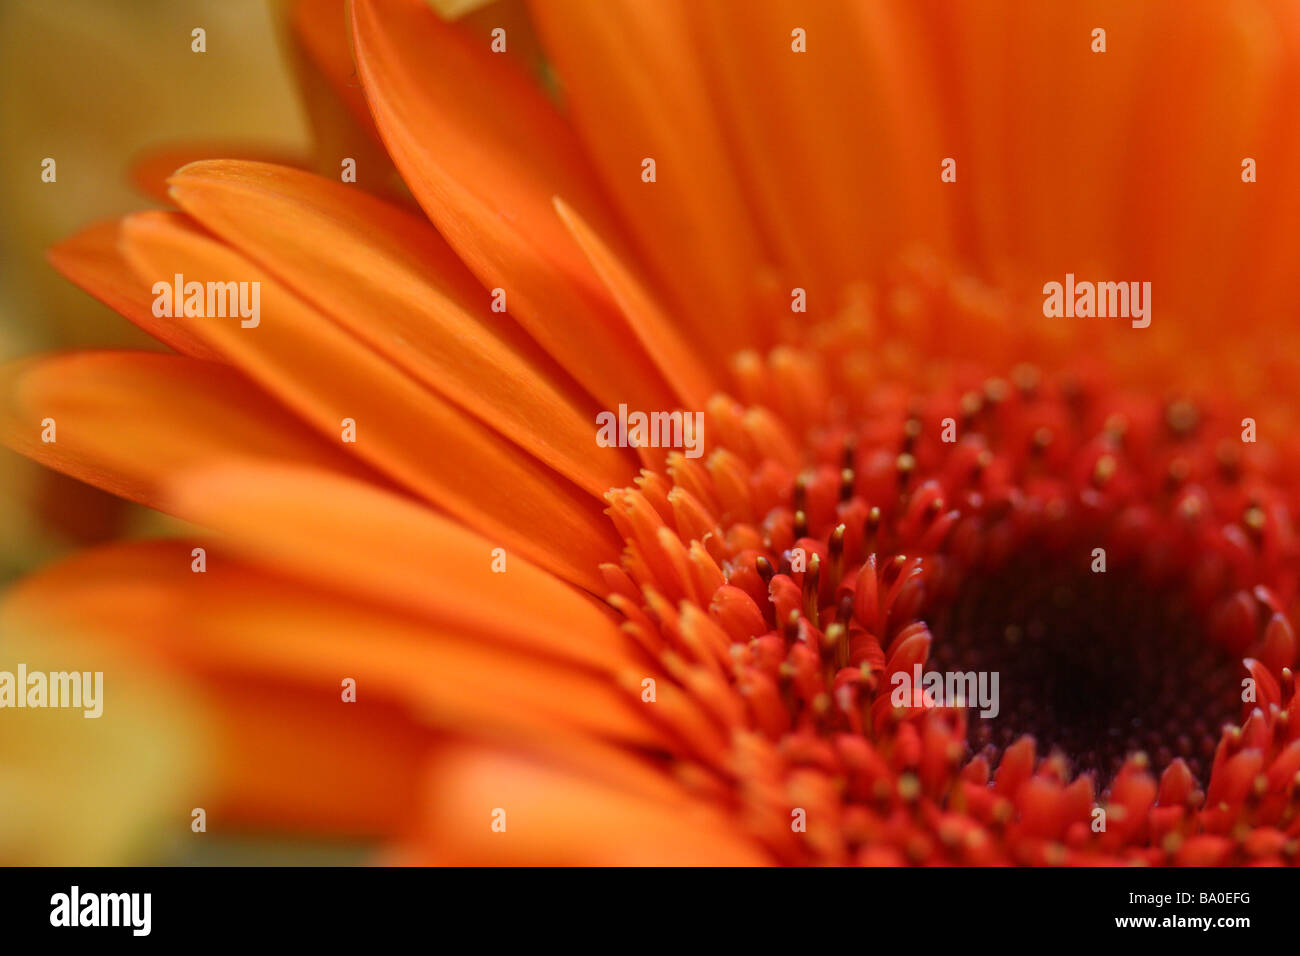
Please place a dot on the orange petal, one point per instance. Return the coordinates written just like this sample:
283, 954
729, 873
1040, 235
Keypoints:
127, 421
836, 145
483, 151
321, 27
634, 85
674, 355
390, 280
404, 430
556, 817
331, 93
294, 760
354, 538
92, 260
239, 621
150, 168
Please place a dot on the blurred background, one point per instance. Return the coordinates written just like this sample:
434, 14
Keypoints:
97, 86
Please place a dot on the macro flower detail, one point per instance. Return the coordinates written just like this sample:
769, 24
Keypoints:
977, 553
403, 475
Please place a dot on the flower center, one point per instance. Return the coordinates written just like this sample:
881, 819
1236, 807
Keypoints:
1097, 665
1112, 558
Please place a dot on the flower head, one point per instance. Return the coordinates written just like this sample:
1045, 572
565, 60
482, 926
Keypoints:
620, 652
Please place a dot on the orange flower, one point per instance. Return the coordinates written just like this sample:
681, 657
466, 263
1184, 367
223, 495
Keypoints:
575, 651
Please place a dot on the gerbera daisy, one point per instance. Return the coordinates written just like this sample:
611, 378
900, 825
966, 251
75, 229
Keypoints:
439, 612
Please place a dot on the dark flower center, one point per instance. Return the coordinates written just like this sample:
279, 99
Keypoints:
1097, 665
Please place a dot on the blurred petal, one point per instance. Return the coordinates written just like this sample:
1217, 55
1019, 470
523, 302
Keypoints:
353, 538
129, 421
93, 260
836, 147
235, 620
556, 817
295, 760
632, 79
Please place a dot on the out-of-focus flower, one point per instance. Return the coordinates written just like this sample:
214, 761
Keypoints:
732, 698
